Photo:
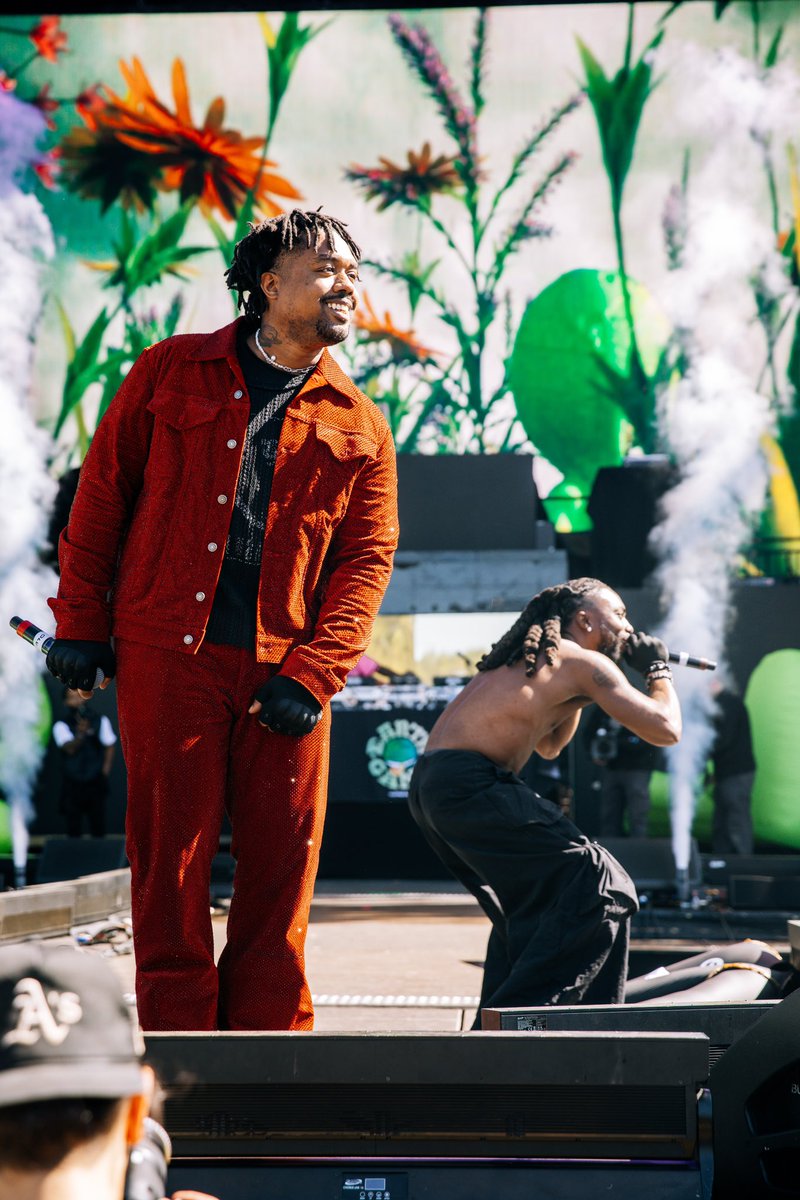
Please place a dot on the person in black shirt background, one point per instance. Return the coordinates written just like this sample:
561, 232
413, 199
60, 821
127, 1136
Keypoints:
734, 767
87, 743
627, 764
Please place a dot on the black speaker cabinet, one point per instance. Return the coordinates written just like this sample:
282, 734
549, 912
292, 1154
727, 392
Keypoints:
650, 861
425, 1179
467, 502
756, 881
755, 1093
776, 893
587, 1096
723, 1023
623, 506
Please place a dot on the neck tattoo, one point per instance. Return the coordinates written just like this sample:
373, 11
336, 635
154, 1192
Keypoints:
271, 359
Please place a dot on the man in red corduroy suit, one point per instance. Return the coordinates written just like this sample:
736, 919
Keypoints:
227, 551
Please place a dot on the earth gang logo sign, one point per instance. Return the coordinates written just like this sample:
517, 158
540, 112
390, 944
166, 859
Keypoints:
392, 752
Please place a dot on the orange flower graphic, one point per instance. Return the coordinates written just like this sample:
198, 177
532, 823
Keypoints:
48, 38
135, 144
412, 184
403, 343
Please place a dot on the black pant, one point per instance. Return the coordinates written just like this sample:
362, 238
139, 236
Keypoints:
559, 904
85, 798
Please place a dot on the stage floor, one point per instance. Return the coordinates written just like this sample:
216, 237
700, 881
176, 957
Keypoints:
408, 956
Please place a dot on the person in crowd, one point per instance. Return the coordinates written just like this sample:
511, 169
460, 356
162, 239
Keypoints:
559, 904
733, 772
87, 742
228, 548
75, 1096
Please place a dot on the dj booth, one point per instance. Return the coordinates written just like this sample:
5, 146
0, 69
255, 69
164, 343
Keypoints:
378, 731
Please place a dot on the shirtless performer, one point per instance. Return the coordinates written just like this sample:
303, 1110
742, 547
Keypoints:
560, 905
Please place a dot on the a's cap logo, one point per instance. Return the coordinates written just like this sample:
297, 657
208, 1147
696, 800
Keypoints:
41, 1015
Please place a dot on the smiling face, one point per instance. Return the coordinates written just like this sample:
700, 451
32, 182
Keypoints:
311, 296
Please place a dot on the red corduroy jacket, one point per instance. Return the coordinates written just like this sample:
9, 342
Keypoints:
141, 555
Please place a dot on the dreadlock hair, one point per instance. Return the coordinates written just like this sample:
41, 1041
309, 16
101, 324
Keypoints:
538, 627
259, 250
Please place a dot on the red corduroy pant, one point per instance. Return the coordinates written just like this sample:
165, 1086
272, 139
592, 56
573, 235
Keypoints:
192, 753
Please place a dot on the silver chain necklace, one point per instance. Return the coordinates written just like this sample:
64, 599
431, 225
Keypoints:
272, 360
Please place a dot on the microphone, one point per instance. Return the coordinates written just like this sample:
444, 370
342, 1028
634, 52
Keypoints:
688, 660
42, 641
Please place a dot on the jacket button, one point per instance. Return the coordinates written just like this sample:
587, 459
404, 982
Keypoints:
212, 546
222, 499
237, 395
200, 596
188, 639
231, 443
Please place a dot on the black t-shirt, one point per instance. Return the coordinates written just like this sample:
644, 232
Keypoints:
233, 614
732, 751
86, 761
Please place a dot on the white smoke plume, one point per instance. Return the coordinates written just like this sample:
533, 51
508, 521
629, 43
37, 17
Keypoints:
713, 419
26, 489
714, 423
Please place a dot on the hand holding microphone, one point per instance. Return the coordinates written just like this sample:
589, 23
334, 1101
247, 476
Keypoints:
81, 665
643, 653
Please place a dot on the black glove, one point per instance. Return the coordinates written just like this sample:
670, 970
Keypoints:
642, 650
75, 663
287, 707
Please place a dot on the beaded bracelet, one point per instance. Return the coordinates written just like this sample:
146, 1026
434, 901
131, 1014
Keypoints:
657, 664
661, 671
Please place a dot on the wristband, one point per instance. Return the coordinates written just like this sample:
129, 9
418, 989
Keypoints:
657, 664
658, 671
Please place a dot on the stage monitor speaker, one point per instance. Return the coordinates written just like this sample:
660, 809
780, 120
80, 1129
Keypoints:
720, 869
755, 1095
722, 1023
774, 892
623, 506
467, 1096
65, 858
360, 1179
467, 502
650, 862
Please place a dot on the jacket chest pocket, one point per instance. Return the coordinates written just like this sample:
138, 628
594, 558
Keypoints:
338, 457
183, 432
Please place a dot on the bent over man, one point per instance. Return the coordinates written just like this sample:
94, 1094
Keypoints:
559, 904
233, 533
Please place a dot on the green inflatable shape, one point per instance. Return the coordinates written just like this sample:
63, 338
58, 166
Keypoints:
659, 820
569, 369
43, 726
566, 507
5, 829
773, 702
45, 723
772, 698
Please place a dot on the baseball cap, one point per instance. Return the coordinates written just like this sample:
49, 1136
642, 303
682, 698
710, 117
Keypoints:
65, 1027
